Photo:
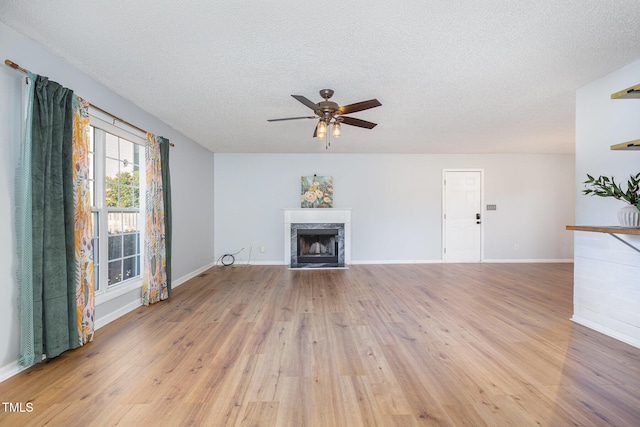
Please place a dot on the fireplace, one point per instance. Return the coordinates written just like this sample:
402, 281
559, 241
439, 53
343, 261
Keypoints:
317, 238
317, 245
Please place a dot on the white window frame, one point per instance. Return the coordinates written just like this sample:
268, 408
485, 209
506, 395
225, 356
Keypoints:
106, 292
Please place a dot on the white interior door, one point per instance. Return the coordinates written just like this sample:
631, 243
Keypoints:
462, 216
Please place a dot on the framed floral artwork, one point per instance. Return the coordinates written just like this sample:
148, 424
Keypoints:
317, 192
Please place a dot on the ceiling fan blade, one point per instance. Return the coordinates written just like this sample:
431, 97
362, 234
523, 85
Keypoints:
307, 102
292, 118
359, 106
357, 122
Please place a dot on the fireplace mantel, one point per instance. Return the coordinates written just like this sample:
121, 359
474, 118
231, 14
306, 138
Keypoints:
315, 216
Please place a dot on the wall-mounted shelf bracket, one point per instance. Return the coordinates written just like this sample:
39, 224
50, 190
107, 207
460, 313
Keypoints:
630, 92
624, 241
611, 231
631, 145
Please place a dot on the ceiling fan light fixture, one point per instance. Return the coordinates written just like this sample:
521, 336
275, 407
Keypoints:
329, 113
322, 129
336, 131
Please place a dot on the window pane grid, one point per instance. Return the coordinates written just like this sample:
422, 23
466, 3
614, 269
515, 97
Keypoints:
122, 173
124, 257
115, 174
124, 245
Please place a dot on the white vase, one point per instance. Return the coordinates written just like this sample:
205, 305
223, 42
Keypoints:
629, 216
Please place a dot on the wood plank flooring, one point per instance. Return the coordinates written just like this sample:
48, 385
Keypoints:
375, 345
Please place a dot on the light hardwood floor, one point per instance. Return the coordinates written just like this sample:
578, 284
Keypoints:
375, 345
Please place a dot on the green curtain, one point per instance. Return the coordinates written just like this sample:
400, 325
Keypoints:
54, 293
166, 193
54, 228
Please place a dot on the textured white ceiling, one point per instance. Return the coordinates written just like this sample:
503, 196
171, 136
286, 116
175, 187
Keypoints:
489, 76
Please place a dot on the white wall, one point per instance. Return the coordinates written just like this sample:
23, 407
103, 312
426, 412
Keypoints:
398, 197
607, 273
191, 175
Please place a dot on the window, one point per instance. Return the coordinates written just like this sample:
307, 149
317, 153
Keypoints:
117, 159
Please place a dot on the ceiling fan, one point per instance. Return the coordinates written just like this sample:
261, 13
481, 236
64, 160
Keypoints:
329, 113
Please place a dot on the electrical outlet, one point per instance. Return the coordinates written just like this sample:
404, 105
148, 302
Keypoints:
263, 249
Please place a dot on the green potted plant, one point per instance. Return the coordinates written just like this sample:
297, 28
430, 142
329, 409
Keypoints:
629, 216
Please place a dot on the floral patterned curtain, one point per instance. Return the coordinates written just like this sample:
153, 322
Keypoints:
83, 226
154, 282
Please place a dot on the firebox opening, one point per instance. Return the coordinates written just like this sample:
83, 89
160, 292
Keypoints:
317, 246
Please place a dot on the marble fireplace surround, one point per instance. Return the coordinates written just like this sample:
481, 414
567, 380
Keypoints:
315, 218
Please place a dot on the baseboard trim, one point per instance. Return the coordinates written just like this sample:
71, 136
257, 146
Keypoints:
105, 320
525, 261
606, 331
439, 261
244, 263
10, 370
419, 261
177, 282
138, 303
396, 261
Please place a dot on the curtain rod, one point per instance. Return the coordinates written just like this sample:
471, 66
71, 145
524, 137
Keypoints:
19, 68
